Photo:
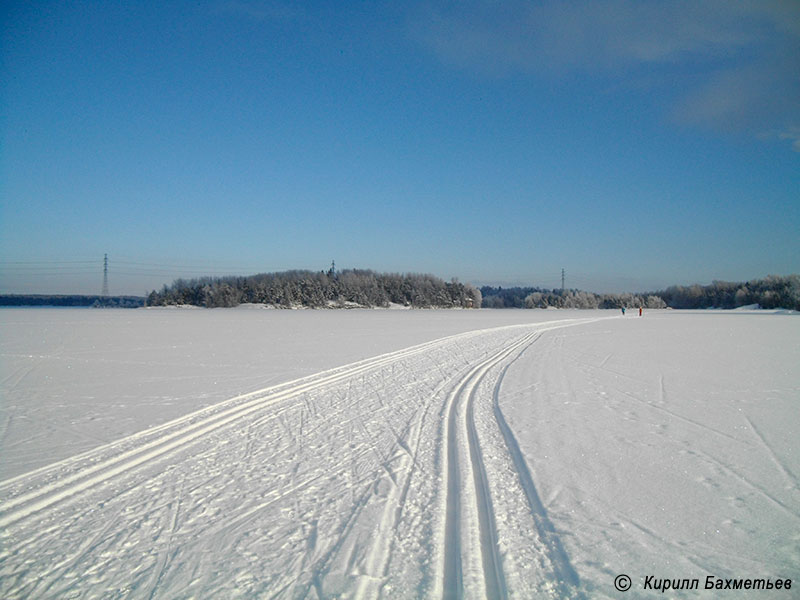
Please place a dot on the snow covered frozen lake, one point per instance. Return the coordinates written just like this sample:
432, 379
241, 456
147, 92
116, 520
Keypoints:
177, 453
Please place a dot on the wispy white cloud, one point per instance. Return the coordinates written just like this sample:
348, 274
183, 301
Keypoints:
760, 97
746, 54
793, 135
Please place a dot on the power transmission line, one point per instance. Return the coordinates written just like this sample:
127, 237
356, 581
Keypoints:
48, 262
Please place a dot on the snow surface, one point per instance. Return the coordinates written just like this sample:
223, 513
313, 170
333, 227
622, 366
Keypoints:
74, 379
395, 454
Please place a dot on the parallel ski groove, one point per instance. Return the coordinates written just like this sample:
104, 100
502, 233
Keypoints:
567, 578
465, 390
492, 564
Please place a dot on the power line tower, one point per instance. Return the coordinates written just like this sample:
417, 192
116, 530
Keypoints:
105, 275
562, 280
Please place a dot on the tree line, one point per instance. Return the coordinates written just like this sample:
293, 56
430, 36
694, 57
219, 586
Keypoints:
60, 300
289, 289
532, 297
366, 288
355, 287
773, 291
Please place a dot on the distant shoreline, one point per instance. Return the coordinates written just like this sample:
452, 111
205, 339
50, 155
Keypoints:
69, 301
366, 289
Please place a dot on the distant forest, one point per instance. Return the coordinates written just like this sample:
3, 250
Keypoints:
369, 289
319, 290
531, 297
771, 292
350, 288
71, 300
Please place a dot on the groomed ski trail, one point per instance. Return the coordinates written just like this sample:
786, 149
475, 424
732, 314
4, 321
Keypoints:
471, 536
151, 444
395, 476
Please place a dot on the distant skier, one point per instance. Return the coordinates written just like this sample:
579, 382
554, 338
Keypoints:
640, 311
623, 311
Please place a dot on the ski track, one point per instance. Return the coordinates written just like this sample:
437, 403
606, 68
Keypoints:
395, 476
567, 581
460, 433
473, 565
788, 477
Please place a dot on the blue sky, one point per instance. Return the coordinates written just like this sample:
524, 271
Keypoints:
634, 144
